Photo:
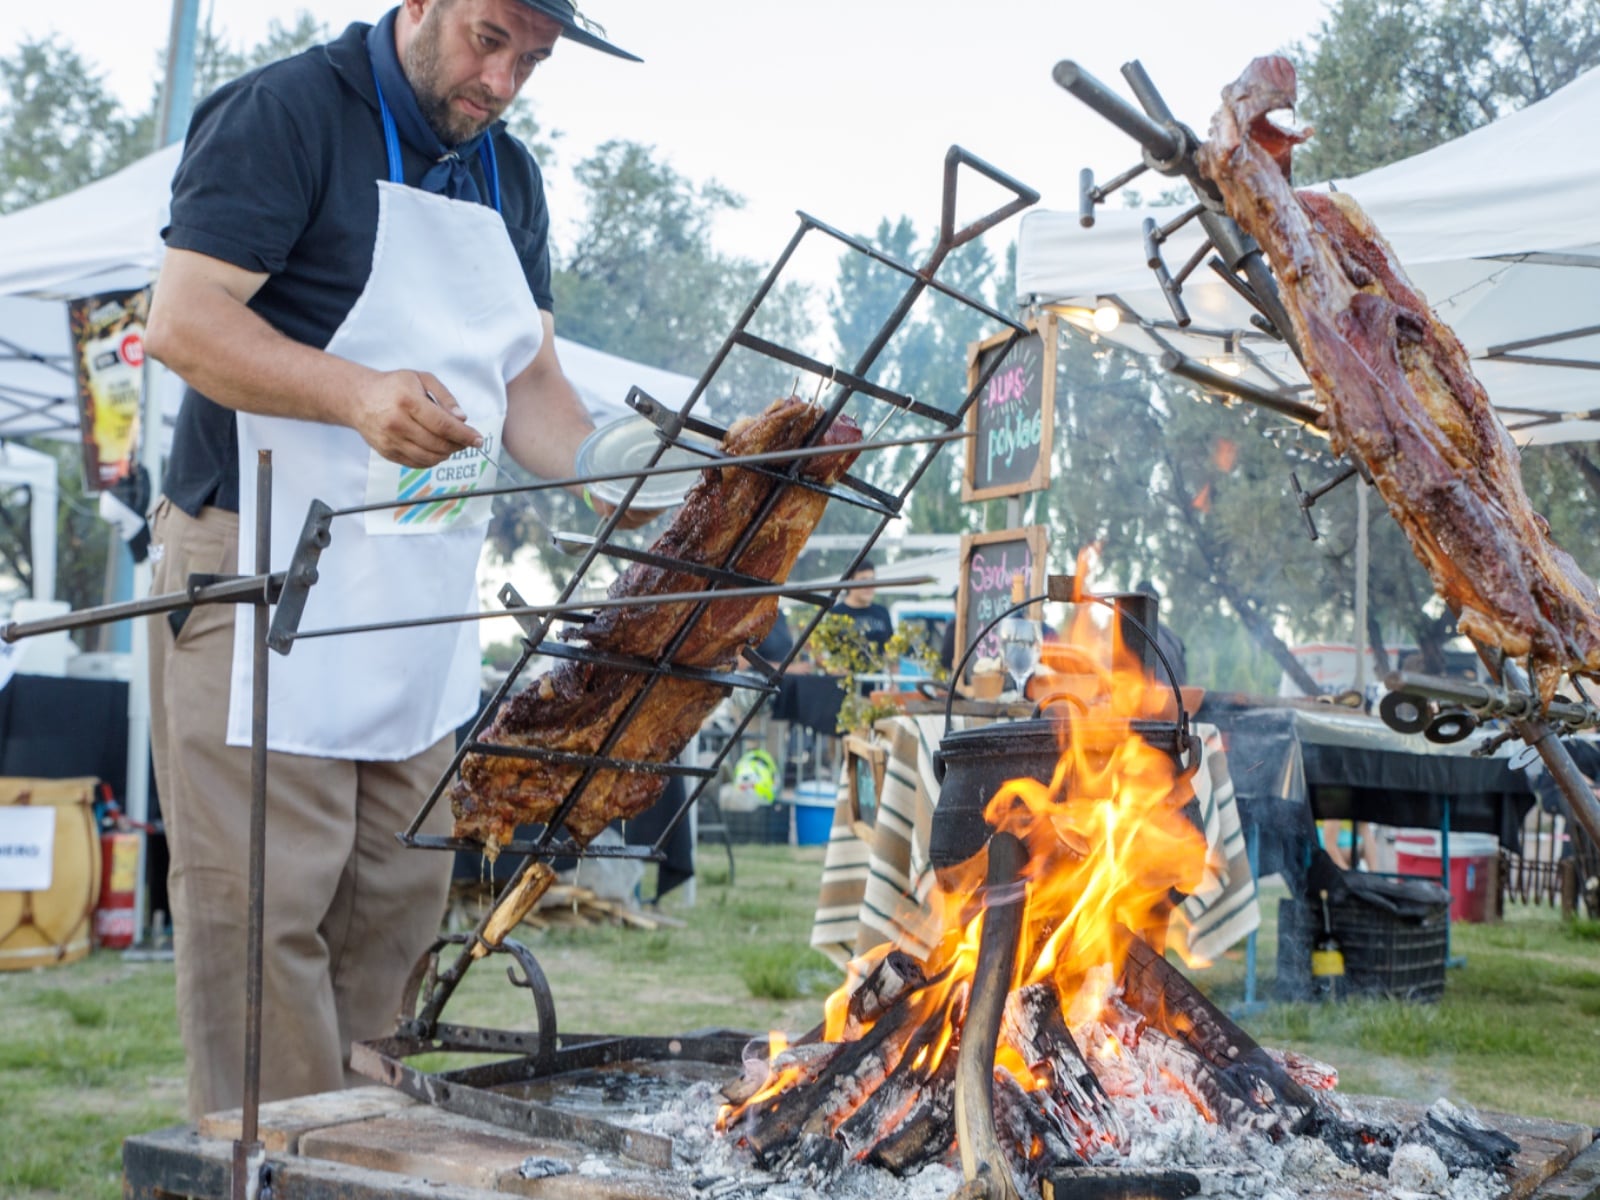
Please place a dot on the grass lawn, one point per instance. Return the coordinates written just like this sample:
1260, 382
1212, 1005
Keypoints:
89, 1052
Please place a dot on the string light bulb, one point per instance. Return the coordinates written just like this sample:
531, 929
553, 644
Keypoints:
1107, 316
1229, 362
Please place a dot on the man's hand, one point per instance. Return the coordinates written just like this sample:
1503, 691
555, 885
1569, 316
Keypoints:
632, 518
409, 417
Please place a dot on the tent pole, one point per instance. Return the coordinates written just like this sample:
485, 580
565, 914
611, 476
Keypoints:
172, 119
1363, 562
177, 87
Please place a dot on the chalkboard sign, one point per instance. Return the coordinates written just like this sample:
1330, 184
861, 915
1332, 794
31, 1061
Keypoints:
983, 591
1013, 418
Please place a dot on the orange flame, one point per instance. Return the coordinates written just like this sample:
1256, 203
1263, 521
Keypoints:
1107, 843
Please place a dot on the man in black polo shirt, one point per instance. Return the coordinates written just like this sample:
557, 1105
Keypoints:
357, 280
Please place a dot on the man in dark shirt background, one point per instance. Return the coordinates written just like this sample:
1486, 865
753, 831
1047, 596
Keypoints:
872, 621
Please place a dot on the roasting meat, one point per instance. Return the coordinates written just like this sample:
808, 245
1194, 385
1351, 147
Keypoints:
1399, 395
573, 707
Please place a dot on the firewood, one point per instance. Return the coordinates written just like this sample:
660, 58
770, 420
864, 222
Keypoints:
808, 1060
840, 1086
1168, 1000
997, 955
1113, 1183
892, 977
897, 974
1035, 1029
1033, 1128
877, 1116
928, 1127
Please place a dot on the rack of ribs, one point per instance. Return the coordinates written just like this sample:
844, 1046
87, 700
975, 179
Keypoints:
1398, 394
574, 707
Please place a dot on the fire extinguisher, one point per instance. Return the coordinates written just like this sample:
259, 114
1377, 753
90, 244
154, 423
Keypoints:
115, 921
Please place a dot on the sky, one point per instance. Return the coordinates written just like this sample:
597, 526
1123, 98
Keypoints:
842, 108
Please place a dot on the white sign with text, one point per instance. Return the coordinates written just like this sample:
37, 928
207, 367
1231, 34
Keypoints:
27, 848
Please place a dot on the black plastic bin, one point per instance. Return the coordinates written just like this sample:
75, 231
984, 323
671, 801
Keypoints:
1394, 934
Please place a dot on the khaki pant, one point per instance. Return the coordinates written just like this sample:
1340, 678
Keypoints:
348, 909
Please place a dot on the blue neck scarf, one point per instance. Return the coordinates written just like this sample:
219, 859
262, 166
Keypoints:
448, 176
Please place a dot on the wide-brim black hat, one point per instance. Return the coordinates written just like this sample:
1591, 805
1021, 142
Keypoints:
576, 27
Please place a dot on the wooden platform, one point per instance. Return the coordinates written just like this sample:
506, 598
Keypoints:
373, 1143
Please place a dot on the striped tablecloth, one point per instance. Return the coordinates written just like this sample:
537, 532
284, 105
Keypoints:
878, 886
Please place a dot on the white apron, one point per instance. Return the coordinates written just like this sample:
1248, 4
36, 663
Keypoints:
447, 295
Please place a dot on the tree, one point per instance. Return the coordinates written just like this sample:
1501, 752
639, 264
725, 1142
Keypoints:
59, 126
1385, 79
925, 359
643, 280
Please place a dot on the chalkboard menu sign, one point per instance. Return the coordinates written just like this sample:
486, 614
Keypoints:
1013, 418
988, 561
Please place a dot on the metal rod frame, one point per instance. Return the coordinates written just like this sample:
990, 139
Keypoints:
1169, 147
844, 386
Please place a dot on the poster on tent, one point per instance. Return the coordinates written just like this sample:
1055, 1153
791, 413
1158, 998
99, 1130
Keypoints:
1013, 418
108, 348
989, 561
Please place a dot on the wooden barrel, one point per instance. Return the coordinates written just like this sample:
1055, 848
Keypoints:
51, 924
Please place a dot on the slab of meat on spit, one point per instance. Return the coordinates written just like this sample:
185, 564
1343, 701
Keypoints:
574, 706
1399, 395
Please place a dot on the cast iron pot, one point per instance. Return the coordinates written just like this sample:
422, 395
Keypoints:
971, 764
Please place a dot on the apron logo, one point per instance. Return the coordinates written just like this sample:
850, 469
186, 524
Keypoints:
447, 486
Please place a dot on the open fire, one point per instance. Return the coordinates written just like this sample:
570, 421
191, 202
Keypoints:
1047, 1028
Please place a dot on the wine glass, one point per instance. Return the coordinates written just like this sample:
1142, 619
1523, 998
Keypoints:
1020, 639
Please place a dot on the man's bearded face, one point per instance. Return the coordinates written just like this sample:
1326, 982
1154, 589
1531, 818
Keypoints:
456, 104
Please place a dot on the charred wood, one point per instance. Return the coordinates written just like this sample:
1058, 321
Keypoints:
807, 1061
1033, 1127
1109, 1183
893, 976
1036, 1030
927, 1130
838, 1089
1459, 1139
1164, 996
881, 1113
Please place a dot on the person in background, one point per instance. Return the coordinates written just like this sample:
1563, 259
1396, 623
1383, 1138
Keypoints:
872, 620
357, 279
1169, 643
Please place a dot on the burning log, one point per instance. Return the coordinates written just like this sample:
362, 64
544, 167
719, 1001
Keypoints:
849, 1077
1034, 1127
928, 1127
1164, 996
804, 1061
1036, 1030
891, 978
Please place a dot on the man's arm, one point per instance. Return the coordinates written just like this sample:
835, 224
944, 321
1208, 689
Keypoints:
546, 422
201, 328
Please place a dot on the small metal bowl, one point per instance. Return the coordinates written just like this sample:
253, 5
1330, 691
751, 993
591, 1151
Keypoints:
626, 444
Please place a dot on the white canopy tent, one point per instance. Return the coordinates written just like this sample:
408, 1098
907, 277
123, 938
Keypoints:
106, 237
1499, 229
